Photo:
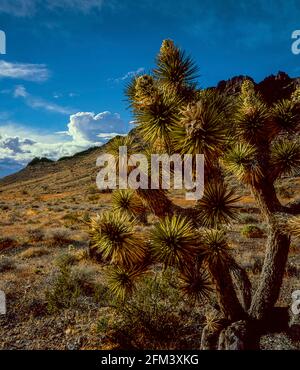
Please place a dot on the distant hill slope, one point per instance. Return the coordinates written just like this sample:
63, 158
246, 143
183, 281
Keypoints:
67, 174
79, 171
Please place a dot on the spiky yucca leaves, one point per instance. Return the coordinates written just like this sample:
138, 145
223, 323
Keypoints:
241, 160
157, 120
128, 202
219, 101
213, 321
201, 130
122, 281
294, 226
175, 71
195, 284
295, 97
218, 205
253, 123
285, 157
146, 92
113, 234
114, 145
215, 248
248, 97
130, 91
286, 115
174, 241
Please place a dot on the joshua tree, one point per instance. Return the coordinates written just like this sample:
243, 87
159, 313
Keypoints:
238, 135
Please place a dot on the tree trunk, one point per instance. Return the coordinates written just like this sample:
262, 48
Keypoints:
243, 285
209, 340
229, 304
157, 201
239, 335
266, 197
272, 273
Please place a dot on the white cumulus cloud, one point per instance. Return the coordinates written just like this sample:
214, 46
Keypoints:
19, 145
89, 127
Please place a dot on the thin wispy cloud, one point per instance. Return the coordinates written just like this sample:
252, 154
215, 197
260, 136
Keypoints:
79, 5
23, 71
127, 75
18, 8
38, 103
29, 8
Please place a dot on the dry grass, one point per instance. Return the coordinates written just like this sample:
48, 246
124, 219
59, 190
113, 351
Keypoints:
34, 252
40, 224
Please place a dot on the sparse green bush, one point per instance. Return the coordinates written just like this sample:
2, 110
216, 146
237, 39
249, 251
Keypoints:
252, 231
35, 234
71, 218
66, 288
92, 189
93, 197
156, 316
247, 219
65, 260
59, 236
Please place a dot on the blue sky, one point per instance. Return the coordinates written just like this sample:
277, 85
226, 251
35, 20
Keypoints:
66, 63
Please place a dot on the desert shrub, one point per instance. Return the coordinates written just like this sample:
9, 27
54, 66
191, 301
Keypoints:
82, 254
59, 236
293, 270
247, 219
93, 198
92, 189
252, 231
102, 295
35, 234
34, 252
155, 316
36, 308
255, 265
71, 218
67, 287
6, 264
65, 260
86, 218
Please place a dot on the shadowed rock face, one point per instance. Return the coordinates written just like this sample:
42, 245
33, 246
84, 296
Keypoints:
38, 160
272, 88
